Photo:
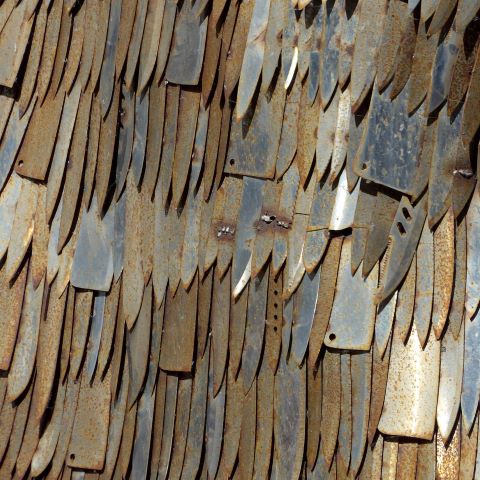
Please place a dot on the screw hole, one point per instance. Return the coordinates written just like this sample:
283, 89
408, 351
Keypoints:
364, 166
20, 163
275, 317
275, 305
275, 329
72, 456
401, 229
332, 337
275, 292
406, 214
232, 161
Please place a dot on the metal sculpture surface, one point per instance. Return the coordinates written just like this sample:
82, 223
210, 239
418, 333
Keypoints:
239, 239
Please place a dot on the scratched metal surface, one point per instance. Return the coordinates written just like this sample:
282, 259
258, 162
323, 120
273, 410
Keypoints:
239, 239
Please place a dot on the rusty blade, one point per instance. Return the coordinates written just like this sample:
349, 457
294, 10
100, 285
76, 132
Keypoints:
253, 57
466, 11
178, 340
444, 265
165, 38
245, 235
345, 427
181, 426
48, 352
48, 441
62, 145
214, 425
443, 166
117, 417
150, 42
196, 422
331, 392
406, 301
8, 203
246, 448
143, 432
289, 418
107, 75
132, 272
255, 328
286, 207
314, 418
471, 378
412, 388
361, 370
188, 46
472, 294
225, 229
288, 137
255, 140
74, 171
468, 451
375, 160
457, 307
380, 366
308, 138
328, 281
264, 424
16, 32
88, 443
81, 322
342, 333
46, 118
96, 326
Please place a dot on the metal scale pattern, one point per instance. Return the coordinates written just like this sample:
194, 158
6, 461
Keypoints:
239, 239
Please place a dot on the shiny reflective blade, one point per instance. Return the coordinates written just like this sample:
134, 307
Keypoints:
376, 160
245, 235
345, 203
330, 405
